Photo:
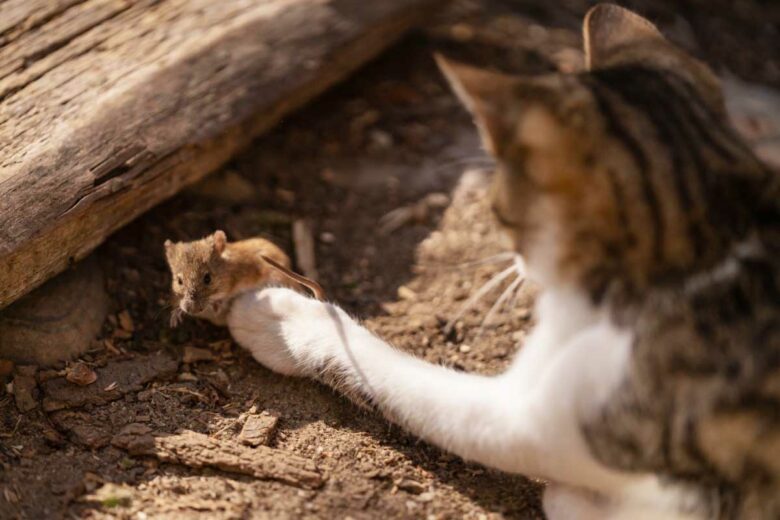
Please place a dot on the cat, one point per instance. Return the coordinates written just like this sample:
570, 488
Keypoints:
650, 386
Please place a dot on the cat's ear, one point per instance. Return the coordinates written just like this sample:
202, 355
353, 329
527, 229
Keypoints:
488, 96
220, 241
609, 28
617, 37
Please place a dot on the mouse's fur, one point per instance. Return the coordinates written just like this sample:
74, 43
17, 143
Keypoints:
208, 273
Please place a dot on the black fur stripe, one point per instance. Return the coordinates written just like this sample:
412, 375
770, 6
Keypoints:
618, 130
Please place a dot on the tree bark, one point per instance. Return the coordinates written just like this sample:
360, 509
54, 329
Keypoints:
197, 450
108, 107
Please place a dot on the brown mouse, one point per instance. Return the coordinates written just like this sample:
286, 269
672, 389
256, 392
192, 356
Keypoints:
208, 273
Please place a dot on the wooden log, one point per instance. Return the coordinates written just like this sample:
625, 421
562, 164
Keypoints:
197, 450
108, 107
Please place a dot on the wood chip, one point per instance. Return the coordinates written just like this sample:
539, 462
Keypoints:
259, 429
187, 377
197, 450
126, 321
111, 347
406, 293
6, 367
80, 374
303, 238
25, 390
411, 486
10, 495
195, 354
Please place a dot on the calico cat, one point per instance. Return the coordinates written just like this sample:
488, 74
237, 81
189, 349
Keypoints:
650, 387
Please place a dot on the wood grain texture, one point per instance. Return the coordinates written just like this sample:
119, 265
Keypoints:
197, 450
108, 107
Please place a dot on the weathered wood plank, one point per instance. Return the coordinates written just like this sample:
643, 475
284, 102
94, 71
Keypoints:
108, 107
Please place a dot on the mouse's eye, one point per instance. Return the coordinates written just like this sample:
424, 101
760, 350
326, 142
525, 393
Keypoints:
179, 280
207, 278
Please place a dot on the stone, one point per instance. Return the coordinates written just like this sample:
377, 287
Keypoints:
195, 354
58, 321
81, 428
25, 391
130, 375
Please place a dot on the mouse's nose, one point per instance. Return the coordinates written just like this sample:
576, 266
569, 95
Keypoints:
188, 305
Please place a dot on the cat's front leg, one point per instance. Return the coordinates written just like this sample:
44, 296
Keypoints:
497, 421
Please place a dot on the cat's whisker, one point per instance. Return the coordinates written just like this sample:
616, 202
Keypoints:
494, 259
510, 290
519, 264
513, 302
465, 161
488, 286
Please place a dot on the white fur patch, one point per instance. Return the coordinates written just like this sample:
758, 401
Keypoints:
527, 420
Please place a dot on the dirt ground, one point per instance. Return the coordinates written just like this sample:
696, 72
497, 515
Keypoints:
386, 139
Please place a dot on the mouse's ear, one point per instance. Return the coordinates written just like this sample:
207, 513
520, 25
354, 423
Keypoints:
220, 241
170, 247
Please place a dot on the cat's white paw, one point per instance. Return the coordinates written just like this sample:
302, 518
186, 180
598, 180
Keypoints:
280, 328
562, 502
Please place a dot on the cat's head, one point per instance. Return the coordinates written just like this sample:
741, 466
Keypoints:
598, 172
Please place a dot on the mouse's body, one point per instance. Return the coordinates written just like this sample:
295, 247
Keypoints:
208, 273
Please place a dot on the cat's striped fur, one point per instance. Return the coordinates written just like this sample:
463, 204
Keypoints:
666, 218
650, 385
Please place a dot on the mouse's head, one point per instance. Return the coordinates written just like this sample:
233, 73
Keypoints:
196, 268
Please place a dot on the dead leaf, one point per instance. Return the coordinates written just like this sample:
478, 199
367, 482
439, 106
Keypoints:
122, 334
303, 239
6, 367
80, 374
195, 354
111, 347
10, 495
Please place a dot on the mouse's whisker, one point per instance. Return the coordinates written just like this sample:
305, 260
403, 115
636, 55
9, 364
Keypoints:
163, 309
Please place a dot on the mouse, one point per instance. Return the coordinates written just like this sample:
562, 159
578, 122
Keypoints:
207, 274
